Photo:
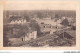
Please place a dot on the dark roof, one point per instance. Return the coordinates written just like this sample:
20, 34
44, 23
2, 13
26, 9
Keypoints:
72, 33
66, 35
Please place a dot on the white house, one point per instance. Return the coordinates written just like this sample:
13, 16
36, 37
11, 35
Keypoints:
30, 35
22, 21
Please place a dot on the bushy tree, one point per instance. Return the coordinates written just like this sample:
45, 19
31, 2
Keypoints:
35, 27
65, 22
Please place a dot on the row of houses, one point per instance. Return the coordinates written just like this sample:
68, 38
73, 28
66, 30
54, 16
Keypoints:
21, 21
50, 25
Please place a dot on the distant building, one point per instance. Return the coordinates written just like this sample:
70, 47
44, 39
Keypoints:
21, 21
59, 21
63, 18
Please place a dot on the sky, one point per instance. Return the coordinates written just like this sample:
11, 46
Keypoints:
40, 5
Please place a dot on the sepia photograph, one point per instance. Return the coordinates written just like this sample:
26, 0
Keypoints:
40, 24
39, 28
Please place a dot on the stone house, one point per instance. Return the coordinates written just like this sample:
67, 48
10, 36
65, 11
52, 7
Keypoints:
29, 36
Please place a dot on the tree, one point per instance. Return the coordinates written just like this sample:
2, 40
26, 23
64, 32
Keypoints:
57, 17
35, 27
23, 30
40, 15
14, 18
65, 22
27, 18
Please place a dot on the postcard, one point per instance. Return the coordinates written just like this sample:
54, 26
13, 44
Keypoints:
39, 25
